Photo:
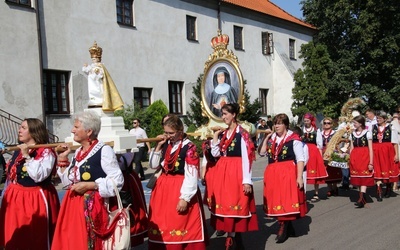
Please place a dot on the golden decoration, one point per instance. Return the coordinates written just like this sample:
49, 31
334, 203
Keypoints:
86, 176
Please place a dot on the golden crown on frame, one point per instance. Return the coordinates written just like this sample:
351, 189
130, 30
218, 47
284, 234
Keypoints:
220, 41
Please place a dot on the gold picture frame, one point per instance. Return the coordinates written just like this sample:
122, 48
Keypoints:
213, 93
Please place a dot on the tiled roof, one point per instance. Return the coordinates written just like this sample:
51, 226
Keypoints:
269, 8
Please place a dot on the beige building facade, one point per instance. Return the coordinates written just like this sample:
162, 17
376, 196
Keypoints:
153, 49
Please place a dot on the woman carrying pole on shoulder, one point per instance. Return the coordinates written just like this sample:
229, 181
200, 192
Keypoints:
232, 205
30, 202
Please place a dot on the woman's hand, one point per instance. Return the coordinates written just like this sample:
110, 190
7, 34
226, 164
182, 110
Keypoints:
163, 138
64, 149
82, 187
182, 206
396, 159
300, 182
24, 150
247, 189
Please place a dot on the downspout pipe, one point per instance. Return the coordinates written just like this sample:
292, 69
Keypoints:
39, 36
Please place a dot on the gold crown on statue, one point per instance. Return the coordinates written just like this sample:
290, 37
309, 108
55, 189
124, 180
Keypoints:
220, 41
95, 51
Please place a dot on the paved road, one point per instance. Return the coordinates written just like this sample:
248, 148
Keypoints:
332, 223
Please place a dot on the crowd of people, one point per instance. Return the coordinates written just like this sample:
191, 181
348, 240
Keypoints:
31, 216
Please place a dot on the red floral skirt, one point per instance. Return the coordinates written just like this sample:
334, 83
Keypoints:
359, 173
28, 217
282, 197
169, 229
385, 169
231, 209
316, 170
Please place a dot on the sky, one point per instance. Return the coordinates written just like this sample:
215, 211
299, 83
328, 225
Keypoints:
291, 6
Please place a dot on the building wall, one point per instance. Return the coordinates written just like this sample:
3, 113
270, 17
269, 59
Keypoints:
147, 55
20, 93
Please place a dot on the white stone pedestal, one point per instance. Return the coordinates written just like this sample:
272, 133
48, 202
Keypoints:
113, 130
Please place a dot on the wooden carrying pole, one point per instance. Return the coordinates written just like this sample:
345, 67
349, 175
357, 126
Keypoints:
75, 147
53, 145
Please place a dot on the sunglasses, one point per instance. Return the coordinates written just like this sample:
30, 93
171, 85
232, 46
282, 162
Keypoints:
327, 123
134, 122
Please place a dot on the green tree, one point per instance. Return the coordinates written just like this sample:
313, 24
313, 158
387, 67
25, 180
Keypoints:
150, 118
362, 38
194, 116
153, 117
309, 92
252, 109
130, 112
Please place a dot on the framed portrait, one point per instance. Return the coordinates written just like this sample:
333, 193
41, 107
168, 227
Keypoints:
222, 84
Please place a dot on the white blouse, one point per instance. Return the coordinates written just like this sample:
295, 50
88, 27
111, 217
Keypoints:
247, 173
109, 164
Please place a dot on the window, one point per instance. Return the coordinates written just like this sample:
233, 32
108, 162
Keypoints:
263, 100
238, 37
142, 97
191, 28
55, 92
175, 97
21, 2
292, 51
125, 12
267, 43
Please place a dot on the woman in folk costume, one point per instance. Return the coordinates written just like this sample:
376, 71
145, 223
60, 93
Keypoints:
334, 173
232, 203
386, 154
89, 180
30, 202
284, 196
207, 174
176, 215
132, 194
316, 171
361, 159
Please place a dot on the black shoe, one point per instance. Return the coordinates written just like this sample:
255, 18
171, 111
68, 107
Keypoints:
379, 193
361, 201
282, 233
220, 233
290, 230
388, 191
239, 242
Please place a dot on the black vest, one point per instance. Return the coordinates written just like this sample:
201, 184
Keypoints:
91, 166
23, 177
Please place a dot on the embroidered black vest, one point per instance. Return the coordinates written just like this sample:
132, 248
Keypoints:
325, 140
23, 177
361, 141
387, 134
180, 162
235, 149
286, 154
92, 165
309, 137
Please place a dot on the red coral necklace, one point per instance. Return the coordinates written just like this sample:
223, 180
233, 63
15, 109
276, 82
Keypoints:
169, 161
224, 143
82, 155
326, 135
276, 149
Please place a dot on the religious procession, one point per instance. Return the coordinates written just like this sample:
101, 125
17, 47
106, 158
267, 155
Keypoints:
109, 186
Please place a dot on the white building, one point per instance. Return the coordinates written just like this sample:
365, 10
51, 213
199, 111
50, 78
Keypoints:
150, 47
